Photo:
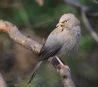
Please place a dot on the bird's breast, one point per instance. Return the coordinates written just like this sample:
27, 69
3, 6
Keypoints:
71, 39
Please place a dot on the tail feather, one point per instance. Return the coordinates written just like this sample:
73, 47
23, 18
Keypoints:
35, 71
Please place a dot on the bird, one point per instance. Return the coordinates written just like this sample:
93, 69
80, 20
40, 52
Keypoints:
62, 41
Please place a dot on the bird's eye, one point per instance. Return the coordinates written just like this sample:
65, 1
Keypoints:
66, 21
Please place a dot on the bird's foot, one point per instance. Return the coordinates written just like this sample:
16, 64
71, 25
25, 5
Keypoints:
67, 67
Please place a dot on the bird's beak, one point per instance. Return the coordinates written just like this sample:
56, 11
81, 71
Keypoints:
60, 24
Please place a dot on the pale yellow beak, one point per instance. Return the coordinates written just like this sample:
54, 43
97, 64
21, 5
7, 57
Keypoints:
60, 24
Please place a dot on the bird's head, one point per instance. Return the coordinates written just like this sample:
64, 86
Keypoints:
68, 21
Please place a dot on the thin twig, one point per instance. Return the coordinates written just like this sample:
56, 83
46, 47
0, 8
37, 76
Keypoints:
88, 26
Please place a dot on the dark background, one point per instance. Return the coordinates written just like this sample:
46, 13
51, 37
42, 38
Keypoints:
37, 18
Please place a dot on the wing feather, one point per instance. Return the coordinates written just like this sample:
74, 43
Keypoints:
53, 44
49, 51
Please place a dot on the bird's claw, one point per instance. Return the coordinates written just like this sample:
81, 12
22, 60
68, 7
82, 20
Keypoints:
67, 67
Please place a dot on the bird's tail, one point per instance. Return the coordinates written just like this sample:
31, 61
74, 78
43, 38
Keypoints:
35, 71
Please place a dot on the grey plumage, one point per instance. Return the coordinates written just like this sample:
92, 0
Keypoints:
63, 40
35, 71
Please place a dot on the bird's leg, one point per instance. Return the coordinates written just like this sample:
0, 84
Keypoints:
62, 63
56, 62
67, 67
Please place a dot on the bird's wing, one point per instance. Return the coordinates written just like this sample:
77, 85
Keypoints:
52, 45
49, 51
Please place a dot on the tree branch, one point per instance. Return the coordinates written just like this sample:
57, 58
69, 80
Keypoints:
76, 4
84, 11
88, 26
27, 42
63, 70
94, 1
2, 81
14, 34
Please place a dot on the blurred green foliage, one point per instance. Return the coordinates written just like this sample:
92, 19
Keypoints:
43, 20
